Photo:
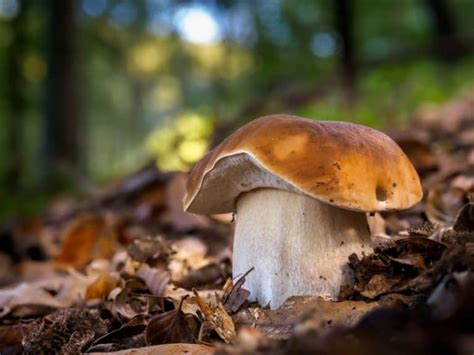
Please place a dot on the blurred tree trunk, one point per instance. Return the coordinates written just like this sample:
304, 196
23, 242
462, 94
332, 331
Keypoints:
16, 103
446, 37
61, 145
344, 23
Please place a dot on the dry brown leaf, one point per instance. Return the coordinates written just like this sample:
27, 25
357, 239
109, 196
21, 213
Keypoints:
235, 296
210, 274
443, 204
379, 285
132, 328
149, 249
218, 318
416, 261
124, 304
101, 286
25, 294
190, 254
429, 249
155, 279
172, 327
58, 292
85, 238
166, 349
465, 219
279, 323
190, 306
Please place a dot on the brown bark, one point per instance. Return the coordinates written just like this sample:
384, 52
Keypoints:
16, 103
62, 128
344, 23
446, 39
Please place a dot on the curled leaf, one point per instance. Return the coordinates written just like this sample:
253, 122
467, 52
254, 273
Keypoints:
155, 279
236, 296
218, 318
124, 304
465, 219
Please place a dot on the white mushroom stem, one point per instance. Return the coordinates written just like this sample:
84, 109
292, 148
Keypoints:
297, 245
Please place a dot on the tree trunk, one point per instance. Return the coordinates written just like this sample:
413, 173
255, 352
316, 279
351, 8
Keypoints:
446, 40
344, 18
61, 146
16, 103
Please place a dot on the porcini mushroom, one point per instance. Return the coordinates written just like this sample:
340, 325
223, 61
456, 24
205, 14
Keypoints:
301, 190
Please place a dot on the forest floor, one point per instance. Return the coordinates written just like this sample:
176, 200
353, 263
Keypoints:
128, 269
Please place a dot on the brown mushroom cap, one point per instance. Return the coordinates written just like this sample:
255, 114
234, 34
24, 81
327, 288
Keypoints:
339, 163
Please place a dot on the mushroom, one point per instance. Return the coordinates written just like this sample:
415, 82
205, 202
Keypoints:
301, 190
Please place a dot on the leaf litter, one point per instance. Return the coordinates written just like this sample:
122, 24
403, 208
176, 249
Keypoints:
126, 270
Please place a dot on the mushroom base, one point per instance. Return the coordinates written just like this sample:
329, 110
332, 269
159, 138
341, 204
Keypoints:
298, 245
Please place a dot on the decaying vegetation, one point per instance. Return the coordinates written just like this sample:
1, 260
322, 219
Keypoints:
128, 269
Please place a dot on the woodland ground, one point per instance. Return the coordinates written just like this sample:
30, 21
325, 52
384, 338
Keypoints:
128, 269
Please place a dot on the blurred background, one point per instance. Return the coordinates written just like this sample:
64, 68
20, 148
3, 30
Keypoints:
92, 90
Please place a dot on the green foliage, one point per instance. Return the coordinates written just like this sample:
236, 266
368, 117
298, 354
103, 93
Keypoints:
139, 77
389, 95
178, 146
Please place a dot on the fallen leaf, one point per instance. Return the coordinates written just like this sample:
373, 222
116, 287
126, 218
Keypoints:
166, 349
190, 254
236, 295
86, 237
443, 203
124, 304
190, 306
465, 219
101, 286
155, 279
58, 292
378, 285
207, 275
429, 249
218, 318
132, 328
148, 248
415, 261
25, 294
280, 323
171, 327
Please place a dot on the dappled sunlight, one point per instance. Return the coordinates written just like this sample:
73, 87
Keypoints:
34, 67
219, 60
167, 94
179, 145
196, 25
147, 57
